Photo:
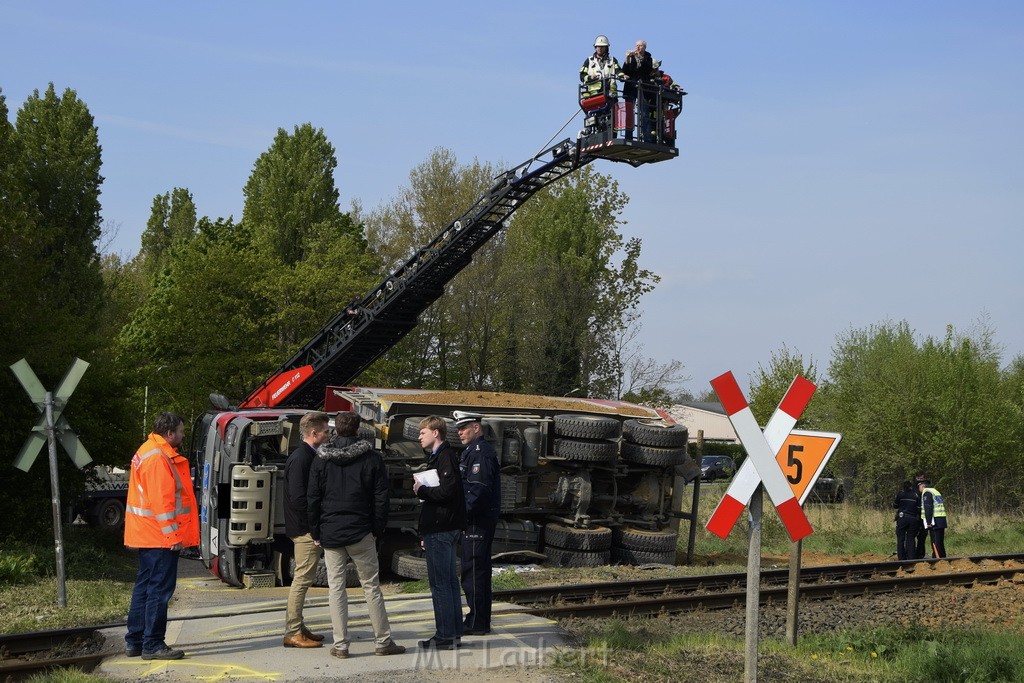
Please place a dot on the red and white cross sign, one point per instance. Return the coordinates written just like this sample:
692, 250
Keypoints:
761, 464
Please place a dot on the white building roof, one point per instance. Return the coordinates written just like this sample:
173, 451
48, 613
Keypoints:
715, 424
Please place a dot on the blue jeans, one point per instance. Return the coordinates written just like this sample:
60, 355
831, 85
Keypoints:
154, 586
443, 578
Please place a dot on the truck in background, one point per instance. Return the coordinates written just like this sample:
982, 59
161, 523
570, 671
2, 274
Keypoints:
101, 504
583, 482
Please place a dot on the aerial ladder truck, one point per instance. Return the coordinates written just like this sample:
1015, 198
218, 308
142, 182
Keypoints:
583, 481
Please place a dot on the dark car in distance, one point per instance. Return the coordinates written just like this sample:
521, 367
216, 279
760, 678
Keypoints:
830, 488
714, 467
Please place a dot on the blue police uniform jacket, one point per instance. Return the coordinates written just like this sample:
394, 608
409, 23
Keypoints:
481, 481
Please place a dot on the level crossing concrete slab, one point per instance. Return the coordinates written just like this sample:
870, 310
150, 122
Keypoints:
230, 634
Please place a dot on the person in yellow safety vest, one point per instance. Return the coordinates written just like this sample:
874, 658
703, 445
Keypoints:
600, 67
933, 514
160, 520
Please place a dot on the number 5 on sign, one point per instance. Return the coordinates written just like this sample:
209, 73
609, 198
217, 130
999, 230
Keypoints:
802, 458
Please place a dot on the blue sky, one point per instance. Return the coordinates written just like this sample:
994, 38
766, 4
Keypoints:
841, 164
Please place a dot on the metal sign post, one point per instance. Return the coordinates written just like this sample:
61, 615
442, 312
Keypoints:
53, 425
58, 532
793, 593
753, 633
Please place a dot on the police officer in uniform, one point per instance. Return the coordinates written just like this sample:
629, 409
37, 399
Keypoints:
933, 514
481, 482
908, 521
922, 533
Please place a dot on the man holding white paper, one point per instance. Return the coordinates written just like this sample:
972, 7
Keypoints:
442, 519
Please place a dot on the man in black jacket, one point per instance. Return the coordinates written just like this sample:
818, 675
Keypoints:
442, 518
481, 482
348, 510
908, 520
637, 67
314, 430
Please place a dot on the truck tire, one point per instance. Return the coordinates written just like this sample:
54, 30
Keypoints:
412, 564
586, 426
637, 557
320, 578
108, 514
644, 539
653, 456
411, 428
569, 538
586, 451
560, 557
649, 433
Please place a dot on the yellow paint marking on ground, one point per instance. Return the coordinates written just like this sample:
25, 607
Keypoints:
222, 671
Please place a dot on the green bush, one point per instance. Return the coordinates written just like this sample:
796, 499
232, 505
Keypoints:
18, 567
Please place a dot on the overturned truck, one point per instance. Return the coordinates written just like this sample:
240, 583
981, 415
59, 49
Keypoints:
583, 482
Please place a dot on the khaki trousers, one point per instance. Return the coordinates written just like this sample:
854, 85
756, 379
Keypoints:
307, 554
364, 556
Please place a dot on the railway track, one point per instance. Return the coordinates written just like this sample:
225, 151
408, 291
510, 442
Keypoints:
25, 653
716, 591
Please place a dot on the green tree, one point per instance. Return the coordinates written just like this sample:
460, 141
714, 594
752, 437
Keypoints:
60, 178
291, 213
291, 192
172, 221
451, 348
941, 406
54, 296
769, 385
203, 328
577, 280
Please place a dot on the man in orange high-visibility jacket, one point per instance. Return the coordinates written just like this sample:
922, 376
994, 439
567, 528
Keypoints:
160, 520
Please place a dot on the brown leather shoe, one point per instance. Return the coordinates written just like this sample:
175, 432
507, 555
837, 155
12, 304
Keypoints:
312, 636
300, 640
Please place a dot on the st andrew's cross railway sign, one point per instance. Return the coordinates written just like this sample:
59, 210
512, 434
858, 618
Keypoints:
34, 388
761, 464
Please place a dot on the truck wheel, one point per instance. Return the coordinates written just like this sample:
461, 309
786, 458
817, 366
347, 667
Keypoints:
653, 456
411, 428
320, 578
412, 564
560, 557
651, 433
569, 538
644, 539
629, 556
586, 451
586, 426
108, 514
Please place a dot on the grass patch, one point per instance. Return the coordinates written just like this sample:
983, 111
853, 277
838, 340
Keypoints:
99, 577
916, 654
417, 586
643, 650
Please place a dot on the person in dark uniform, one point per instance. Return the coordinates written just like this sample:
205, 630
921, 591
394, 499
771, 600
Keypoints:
933, 514
908, 520
481, 483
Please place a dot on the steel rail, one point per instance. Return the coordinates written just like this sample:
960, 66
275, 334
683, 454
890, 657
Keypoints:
808, 575
675, 602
